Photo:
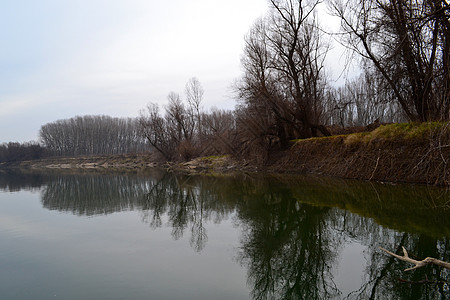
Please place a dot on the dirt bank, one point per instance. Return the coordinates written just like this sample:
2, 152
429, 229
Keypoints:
414, 153
128, 162
136, 163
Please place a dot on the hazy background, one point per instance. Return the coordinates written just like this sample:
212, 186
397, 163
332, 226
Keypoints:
60, 59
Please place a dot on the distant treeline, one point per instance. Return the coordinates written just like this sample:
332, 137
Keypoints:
90, 135
86, 135
12, 152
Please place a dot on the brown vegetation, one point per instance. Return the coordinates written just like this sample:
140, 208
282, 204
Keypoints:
408, 152
184, 131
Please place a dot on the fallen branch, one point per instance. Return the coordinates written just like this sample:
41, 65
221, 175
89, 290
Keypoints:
418, 263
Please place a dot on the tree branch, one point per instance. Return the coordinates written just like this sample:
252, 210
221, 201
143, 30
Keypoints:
418, 263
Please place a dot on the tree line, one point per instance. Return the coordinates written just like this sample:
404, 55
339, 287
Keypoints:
13, 151
88, 135
285, 93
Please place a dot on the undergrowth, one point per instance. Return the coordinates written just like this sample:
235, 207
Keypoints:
412, 132
412, 152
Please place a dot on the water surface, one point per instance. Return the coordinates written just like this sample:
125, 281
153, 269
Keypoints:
167, 236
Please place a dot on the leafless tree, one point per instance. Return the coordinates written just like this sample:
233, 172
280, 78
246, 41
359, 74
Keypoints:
408, 45
154, 130
89, 135
13, 152
360, 102
282, 89
219, 132
185, 131
194, 95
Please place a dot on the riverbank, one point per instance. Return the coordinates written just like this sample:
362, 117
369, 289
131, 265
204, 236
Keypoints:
125, 162
412, 153
137, 163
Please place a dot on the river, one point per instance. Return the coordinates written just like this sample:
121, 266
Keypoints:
165, 236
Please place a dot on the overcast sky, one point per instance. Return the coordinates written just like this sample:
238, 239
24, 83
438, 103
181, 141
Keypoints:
62, 58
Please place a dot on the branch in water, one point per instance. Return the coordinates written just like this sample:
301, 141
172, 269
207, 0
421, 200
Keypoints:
418, 263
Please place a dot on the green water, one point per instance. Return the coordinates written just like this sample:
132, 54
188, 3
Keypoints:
167, 236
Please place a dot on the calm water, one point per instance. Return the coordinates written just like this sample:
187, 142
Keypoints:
163, 236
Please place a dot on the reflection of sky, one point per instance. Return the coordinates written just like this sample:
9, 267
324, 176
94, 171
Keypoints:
350, 269
46, 253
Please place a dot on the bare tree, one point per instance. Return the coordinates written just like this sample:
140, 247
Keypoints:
154, 130
89, 135
184, 131
219, 132
13, 152
408, 44
194, 94
282, 90
360, 102
179, 120
299, 59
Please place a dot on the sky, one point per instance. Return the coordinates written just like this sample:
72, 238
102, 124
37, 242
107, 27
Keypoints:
66, 58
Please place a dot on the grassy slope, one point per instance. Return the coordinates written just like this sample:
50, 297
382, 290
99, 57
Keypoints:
410, 152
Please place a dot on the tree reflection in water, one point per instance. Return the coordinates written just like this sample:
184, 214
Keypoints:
188, 202
286, 246
292, 229
13, 181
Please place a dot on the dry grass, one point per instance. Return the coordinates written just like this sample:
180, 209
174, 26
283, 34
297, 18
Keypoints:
409, 152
